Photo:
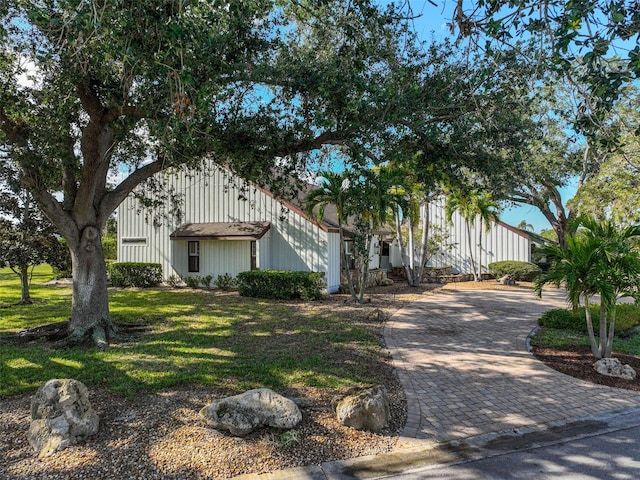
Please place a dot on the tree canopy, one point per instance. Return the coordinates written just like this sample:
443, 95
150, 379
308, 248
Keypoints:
98, 96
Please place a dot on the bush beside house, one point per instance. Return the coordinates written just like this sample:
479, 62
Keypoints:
519, 271
281, 284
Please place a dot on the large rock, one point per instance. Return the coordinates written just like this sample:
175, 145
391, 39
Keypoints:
366, 410
61, 416
613, 368
244, 413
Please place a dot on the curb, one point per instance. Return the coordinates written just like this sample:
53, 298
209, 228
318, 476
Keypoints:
420, 455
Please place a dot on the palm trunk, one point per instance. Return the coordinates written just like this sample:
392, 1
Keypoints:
592, 338
345, 261
603, 330
473, 263
612, 326
401, 247
479, 276
364, 267
422, 258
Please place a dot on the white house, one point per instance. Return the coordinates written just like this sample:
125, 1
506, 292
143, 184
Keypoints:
220, 233
229, 226
500, 242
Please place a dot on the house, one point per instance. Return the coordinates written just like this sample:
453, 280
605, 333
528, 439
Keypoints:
499, 242
228, 226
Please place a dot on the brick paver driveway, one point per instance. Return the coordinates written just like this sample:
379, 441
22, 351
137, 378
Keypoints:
462, 359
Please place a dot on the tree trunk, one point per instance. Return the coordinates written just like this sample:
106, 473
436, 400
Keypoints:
90, 305
422, 257
612, 327
480, 233
603, 329
473, 263
25, 296
592, 338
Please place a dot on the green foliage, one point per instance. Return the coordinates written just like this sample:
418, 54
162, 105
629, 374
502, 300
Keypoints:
226, 282
224, 341
521, 271
289, 439
627, 317
135, 274
192, 281
110, 248
281, 284
600, 259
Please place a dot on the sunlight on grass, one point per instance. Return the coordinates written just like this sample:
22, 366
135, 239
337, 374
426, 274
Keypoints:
67, 362
21, 363
194, 338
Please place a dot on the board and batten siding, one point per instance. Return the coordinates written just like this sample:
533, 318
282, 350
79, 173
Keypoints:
500, 243
213, 195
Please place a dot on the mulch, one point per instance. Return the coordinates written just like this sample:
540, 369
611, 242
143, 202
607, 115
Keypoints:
578, 362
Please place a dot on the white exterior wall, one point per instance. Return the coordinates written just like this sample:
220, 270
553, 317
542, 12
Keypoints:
292, 243
498, 244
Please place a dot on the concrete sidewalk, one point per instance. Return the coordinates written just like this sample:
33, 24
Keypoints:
470, 383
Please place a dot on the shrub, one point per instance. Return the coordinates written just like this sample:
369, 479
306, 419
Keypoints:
627, 317
192, 281
564, 319
174, 281
135, 274
281, 284
226, 282
110, 248
206, 281
522, 271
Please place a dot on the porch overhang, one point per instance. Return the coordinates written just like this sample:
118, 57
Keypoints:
221, 231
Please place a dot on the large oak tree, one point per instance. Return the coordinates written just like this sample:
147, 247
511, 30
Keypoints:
95, 90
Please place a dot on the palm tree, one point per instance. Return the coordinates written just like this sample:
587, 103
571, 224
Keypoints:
598, 259
332, 191
471, 206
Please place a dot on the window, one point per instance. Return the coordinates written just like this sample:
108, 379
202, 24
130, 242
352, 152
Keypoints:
194, 256
134, 241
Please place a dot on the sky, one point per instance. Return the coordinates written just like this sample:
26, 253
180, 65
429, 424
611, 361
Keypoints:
432, 23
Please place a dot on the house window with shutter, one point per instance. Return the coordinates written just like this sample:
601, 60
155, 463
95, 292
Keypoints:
194, 256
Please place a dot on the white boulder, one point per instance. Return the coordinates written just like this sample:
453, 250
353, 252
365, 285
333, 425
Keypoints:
61, 416
244, 413
613, 368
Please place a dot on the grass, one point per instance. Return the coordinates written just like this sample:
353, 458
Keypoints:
565, 328
197, 337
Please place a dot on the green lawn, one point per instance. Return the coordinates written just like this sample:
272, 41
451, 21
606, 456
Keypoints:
563, 328
197, 337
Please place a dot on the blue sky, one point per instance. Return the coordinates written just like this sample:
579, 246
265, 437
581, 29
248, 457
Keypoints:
432, 23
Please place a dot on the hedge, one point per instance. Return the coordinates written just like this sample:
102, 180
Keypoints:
281, 284
522, 271
135, 274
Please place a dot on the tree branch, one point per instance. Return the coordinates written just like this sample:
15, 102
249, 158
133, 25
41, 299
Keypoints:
326, 138
112, 199
16, 132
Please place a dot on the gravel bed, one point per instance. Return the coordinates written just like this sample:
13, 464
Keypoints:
161, 436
